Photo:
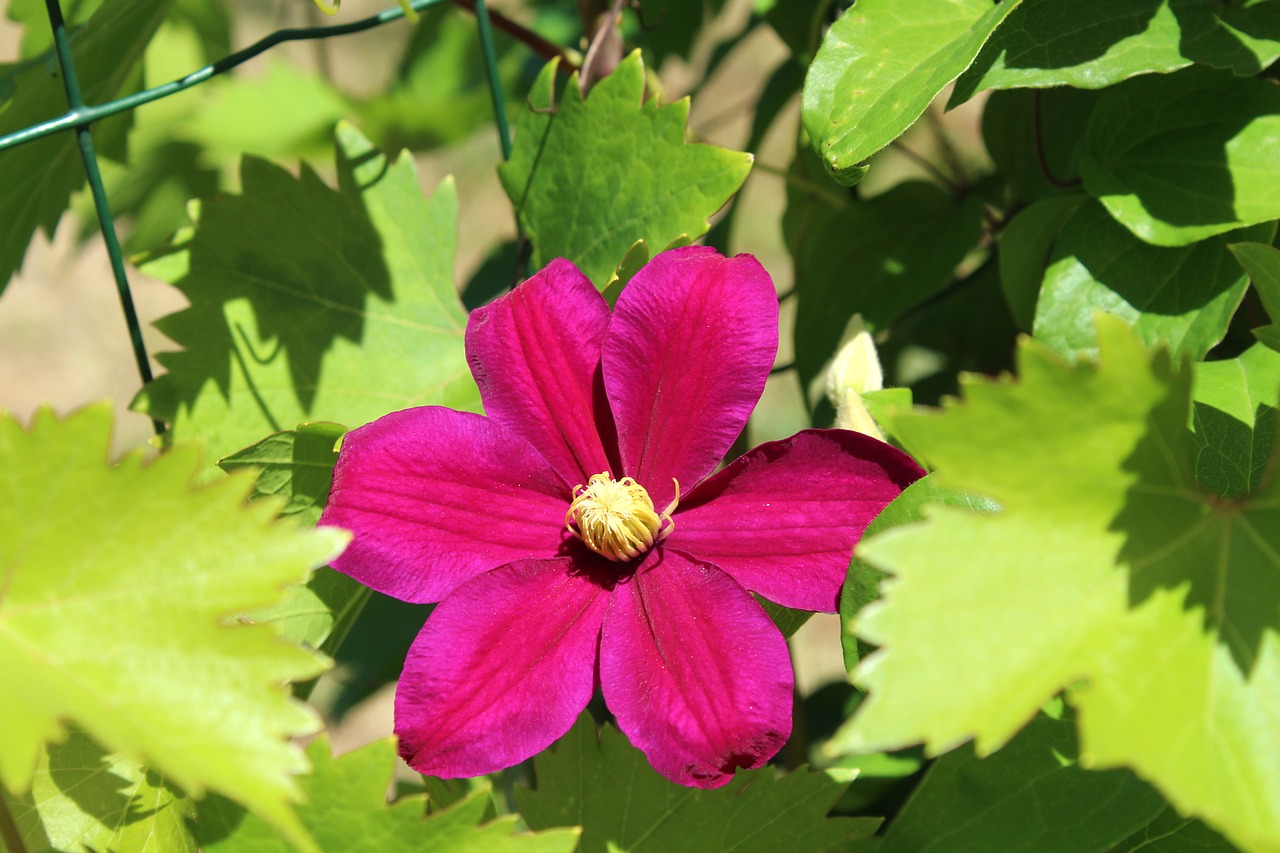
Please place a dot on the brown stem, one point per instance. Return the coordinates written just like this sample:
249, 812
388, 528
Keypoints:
1038, 139
535, 42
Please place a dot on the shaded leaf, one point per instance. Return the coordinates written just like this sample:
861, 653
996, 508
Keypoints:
310, 304
347, 810
1234, 408
84, 800
877, 257
606, 786
1170, 832
120, 584
1182, 297
1262, 263
1037, 46
1026, 245
591, 176
879, 67
1032, 795
39, 177
1180, 157
1035, 139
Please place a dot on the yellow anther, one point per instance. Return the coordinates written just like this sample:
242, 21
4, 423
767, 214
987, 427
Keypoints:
616, 518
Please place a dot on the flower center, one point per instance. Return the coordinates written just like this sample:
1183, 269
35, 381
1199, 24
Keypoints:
616, 518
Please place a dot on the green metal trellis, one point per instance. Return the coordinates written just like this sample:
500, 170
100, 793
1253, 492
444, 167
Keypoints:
80, 117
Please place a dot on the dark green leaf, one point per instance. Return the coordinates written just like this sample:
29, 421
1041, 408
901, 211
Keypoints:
1235, 403
1044, 43
877, 257
39, 177
1040, 164
1170, 832
1032, 795
1180, 157
347, 811
1026, 245
1182, 297
624, 806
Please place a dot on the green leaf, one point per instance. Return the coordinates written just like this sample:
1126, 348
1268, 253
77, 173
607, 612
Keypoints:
862, 585
606, 787
297, 466
1106, 572
1182, 297
283, 112
313, 304
878, 257
119, 587
591, 176
1033, 790
879, 67
346, 810
83, 800
1170, 832
1262, 263
1046, 163
1026, 245
39, 177
1180, 157
1235, 403
1037, 46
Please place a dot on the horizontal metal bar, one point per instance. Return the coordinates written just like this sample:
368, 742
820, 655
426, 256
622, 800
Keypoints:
87, 115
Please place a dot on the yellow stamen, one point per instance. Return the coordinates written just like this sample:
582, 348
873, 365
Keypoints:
616, 518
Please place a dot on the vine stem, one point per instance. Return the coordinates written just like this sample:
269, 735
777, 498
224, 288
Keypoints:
1038, 140
9, 829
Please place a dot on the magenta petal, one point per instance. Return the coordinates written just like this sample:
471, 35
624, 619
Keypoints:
501, 670
535, 353
436, 497
686, 357
698, 677
783, 518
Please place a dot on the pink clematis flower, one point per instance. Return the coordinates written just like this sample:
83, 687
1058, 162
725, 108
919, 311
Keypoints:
576, 536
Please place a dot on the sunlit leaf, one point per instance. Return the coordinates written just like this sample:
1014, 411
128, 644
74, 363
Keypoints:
1106, 572
120, 586
591, 176
311, 304
879, 67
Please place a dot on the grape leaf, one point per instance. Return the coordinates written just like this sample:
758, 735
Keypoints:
1182, 296
1030, 796
297, 466
1170, 832
39, 177
346, 810
1180, 157
877, 257
1262, 263
1043, 43
878, 68
591, 176
862, 585
1106, 571
1234, 409
84, 800
313, 304
118, 584
606, 787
